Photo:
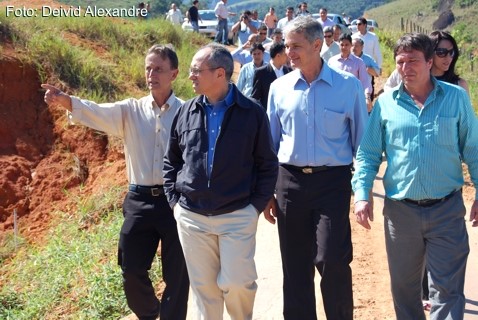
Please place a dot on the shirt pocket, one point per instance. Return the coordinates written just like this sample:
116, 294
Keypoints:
446, 131
333, 124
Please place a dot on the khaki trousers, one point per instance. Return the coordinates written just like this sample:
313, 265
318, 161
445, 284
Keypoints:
219, 252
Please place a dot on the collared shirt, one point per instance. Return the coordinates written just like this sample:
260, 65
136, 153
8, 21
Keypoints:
174, 16
221, 10
328, 52
279, 72
244, 56
371, 45
424, 147
369, 62
327, 23
355, 66
246, 75
215, 116
320, 124
283, 22
142, 125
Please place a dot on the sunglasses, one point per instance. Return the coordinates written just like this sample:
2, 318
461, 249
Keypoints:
328, 36
443, 52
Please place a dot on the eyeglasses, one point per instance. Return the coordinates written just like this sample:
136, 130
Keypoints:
443, 52
197, 71
328, 36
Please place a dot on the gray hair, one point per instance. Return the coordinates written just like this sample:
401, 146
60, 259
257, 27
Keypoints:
220, 57
308, 26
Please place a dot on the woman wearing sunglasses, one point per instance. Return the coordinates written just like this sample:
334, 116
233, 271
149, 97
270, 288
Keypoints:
443, 69
444, 60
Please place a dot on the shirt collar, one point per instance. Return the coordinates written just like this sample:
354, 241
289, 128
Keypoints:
324, 75
227, 102
165, 107
399, 91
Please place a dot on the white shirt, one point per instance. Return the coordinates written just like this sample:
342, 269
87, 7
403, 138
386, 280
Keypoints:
221, 10
371, 45
142, 125
283, 22
279, 72
174, 16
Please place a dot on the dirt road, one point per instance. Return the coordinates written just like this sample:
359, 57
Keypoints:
372, 297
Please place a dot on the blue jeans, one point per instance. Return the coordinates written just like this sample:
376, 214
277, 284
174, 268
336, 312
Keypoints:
434, 235
222, 32
195, 26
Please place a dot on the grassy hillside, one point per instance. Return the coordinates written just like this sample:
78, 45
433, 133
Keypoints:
72, 273
424, 14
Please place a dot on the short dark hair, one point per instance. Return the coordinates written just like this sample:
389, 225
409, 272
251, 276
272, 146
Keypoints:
276, 48
415, 41
165, 52
257, 46
362, 20
290, 8
195, 1
345, 36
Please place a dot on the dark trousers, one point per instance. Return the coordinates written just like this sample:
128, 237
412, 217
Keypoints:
147, 220
314, 230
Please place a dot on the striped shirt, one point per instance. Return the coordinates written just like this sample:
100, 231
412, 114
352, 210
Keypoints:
424, 147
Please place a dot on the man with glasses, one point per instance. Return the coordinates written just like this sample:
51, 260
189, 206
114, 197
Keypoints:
426, 129
370, 40
219, 170
330, 48
144, 125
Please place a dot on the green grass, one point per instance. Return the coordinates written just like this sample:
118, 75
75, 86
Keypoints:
74, 275
98, 57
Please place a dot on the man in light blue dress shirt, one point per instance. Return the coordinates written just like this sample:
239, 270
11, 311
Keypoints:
426, 128
317, 116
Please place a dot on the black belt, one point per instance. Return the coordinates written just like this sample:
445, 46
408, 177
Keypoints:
306, 170
429, 202
154, 191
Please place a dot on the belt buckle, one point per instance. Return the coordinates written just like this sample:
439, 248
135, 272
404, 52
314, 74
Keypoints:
155, 192
307, 170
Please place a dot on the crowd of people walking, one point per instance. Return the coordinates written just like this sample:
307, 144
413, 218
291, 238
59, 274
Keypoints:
295, 138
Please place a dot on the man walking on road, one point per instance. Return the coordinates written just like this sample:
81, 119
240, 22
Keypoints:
219, 170
144, 125
316, 141
426, 128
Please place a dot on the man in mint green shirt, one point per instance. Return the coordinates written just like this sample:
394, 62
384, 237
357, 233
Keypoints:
426, 128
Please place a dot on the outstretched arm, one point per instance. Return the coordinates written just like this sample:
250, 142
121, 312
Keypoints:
54, 96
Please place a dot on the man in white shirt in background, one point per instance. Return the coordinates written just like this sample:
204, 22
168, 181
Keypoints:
174, 15
324, 20
370, 40
222, 14
330, 48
